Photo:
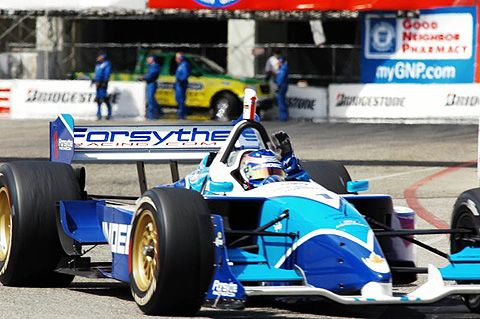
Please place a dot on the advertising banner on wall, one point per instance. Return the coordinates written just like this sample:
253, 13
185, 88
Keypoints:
38, 99
304, 103
436, 47
306, 5
446, 102
307, 102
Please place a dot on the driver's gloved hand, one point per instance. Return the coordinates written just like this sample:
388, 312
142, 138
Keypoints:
291, 166
283, 146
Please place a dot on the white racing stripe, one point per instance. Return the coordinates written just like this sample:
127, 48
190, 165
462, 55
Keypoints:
369, 245
66, 125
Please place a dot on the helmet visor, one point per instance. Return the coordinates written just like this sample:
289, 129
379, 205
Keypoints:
263, 172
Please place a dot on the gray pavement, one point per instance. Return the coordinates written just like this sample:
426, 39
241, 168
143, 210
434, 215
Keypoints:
392, 157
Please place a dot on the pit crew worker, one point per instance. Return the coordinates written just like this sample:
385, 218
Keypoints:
103, 69
153, 109
282, 81
181, 84
262, 167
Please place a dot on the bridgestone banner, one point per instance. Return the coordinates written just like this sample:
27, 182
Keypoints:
430, 103
307, 102
304, 103
446, 102
44, 99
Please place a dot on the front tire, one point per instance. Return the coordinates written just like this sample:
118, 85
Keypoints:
171, 252
466, 216
330, 174
30, 248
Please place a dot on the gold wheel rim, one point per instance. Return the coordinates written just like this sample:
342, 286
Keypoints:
5, 224
145, 254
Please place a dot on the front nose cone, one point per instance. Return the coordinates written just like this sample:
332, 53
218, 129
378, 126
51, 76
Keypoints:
341, 265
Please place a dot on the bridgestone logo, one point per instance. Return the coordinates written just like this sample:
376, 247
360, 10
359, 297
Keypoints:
369, 101
37, 96
458, 100
301, 104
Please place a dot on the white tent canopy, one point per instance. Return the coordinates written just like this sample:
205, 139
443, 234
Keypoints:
72, 5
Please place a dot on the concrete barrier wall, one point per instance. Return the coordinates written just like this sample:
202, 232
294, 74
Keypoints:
395, 103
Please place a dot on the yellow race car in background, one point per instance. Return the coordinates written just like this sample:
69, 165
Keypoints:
209, 88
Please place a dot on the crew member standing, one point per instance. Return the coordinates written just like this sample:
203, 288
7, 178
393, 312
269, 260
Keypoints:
271, 67
181, 84
282, 81
153, 109
103, 69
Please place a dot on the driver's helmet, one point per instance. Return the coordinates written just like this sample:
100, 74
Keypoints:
257, 167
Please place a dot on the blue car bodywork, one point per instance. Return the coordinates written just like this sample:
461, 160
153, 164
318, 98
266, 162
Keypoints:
289, 238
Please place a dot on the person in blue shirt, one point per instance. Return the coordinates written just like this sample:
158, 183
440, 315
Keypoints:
282, 81
153, 109
181, 84
103, 69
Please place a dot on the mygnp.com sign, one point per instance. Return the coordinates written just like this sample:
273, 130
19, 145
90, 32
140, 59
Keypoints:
436, 47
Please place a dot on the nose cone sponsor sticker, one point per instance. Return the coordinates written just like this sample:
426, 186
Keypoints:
377, 263
216, 3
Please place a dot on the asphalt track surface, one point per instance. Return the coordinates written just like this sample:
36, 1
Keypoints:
424, 166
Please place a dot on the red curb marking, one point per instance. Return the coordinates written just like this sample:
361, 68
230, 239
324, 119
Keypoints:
410, 195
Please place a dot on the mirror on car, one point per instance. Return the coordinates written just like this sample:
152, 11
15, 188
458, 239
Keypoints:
357, 186
220, 187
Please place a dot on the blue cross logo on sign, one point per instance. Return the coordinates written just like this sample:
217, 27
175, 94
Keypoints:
382, 36
216, 3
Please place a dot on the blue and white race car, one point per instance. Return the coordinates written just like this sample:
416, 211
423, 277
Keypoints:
212, 238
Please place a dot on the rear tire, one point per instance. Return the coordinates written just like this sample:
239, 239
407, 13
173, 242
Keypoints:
330, 174
30, 248
466, 215
171, 252
226, 106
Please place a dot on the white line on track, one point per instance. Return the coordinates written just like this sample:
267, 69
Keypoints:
402, 173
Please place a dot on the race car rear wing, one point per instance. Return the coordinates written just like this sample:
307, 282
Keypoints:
151, 143
134, 144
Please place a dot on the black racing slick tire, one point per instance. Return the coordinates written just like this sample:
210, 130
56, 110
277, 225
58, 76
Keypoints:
330, 174
466, 216
30, 247
226, 106
171, 252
